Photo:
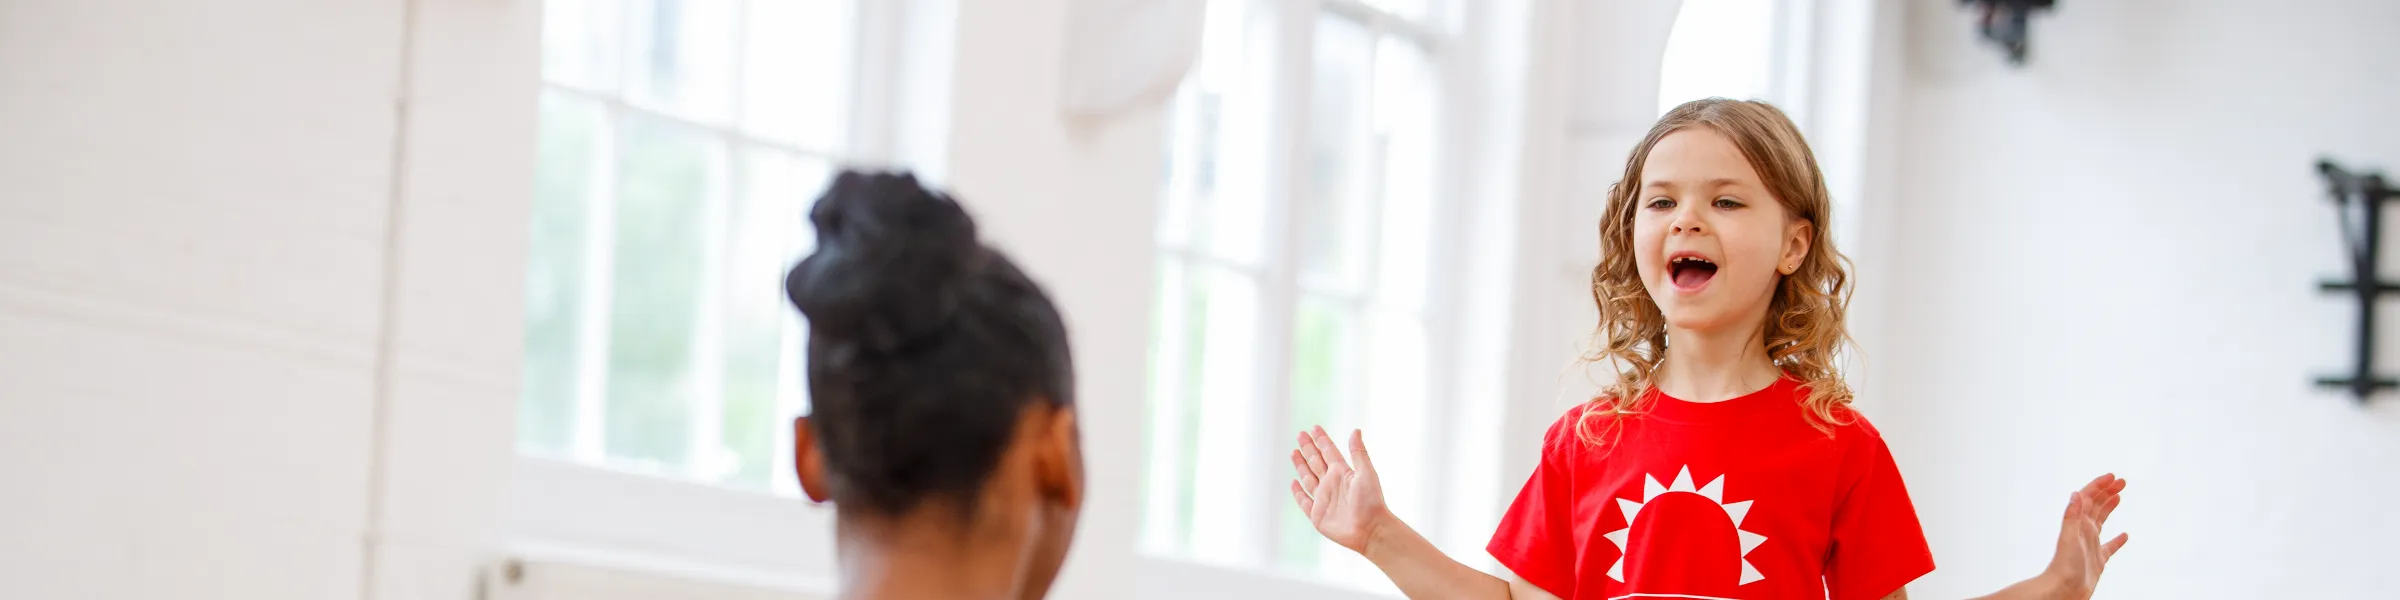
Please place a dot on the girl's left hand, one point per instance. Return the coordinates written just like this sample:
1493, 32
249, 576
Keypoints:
2075, 569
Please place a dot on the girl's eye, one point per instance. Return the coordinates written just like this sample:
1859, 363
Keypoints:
1728, 203
1661, 203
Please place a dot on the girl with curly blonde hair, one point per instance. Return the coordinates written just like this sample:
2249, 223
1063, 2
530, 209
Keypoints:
1724, 460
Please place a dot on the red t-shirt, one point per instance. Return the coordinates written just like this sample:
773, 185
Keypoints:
1735, 499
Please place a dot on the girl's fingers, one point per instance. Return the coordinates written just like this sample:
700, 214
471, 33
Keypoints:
1307, 480
1307, 506
1308, 451
1358, 451
2099, 484
2105, 509
1332, 454
2109, 550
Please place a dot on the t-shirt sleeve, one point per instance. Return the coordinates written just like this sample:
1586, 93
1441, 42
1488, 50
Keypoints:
1534, 539
1878, 545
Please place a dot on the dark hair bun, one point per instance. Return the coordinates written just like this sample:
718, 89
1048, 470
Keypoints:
925, 346
892, 262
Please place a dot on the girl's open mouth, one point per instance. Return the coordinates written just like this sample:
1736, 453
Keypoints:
1690, 273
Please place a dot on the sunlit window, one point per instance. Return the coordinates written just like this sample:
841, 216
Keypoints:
681, 141
1295, 275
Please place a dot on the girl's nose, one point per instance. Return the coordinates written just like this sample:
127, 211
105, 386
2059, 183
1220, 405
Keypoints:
1686, 222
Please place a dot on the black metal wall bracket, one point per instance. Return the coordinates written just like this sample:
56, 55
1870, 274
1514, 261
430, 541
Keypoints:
2359, 199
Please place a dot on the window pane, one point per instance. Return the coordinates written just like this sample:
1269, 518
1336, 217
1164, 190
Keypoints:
667, 175
1223, 392
1334, 213
1405, 103
797, 71
682, 55
555, 285
767, 227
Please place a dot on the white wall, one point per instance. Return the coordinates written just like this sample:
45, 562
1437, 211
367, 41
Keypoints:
233, 361
2107, 261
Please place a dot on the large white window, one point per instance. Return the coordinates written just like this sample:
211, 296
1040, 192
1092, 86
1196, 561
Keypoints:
1298, 259
681, 141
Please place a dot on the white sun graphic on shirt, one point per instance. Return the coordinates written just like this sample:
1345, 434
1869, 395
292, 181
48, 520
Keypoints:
1714, 491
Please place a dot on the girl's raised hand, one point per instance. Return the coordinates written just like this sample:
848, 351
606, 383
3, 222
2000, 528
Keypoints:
2081, 555
1345, 502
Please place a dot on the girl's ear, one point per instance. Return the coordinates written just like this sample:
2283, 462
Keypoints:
1796, 236
1058, 462
808, 462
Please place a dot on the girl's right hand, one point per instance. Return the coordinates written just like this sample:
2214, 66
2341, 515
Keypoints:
1345, 503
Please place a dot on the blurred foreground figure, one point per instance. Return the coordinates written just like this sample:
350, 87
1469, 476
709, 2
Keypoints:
943, 424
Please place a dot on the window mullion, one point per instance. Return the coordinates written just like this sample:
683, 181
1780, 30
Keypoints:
1297, 32
1367, 142
1370, 139
599, 276
1444, 290
709, 356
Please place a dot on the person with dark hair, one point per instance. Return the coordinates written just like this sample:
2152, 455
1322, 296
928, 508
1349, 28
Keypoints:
943, 424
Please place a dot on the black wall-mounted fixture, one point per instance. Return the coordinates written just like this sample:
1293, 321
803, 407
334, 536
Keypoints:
2359, 198
2004, 23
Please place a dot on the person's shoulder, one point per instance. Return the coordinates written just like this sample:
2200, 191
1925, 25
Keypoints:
1844, 419
1851, 427
1850, 418
1571, 431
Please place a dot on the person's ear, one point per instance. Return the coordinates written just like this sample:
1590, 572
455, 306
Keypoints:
1796, 236
808, 462
1058, 460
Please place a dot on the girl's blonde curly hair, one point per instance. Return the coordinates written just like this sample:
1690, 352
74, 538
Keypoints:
1805, 332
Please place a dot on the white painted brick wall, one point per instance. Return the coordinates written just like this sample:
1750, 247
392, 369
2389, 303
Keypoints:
195, 210
192, 201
